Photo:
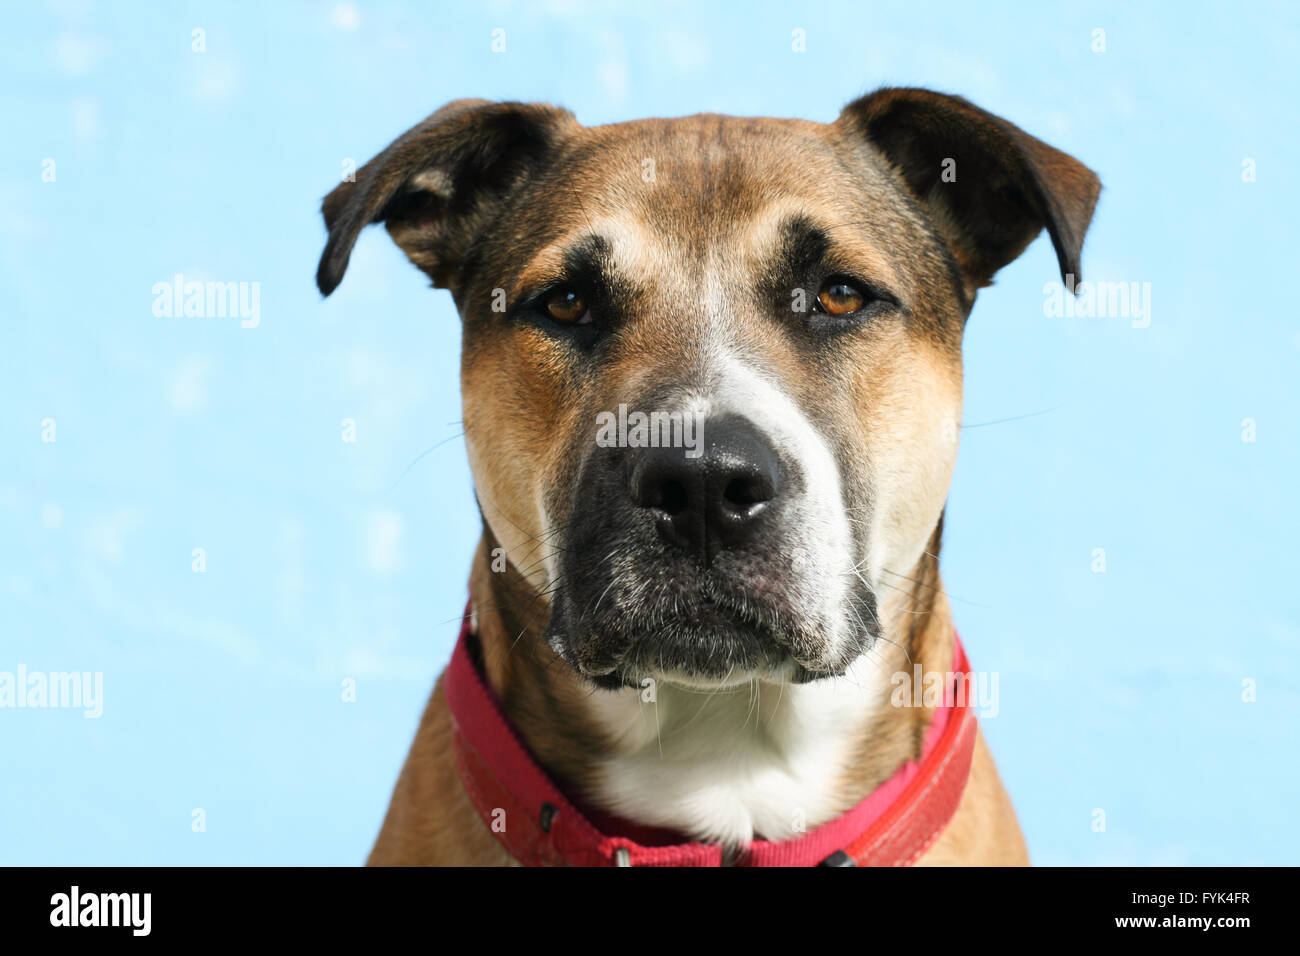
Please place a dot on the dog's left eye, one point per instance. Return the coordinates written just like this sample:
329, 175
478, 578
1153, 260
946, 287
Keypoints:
567, 306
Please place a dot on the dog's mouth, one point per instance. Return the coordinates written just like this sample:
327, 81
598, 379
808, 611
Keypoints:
708, 640
712, 644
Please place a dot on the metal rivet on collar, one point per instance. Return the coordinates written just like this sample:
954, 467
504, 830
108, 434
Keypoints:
622, 856
838, 858
547, 816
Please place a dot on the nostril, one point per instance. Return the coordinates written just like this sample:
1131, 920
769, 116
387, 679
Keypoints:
740, 491
741, 494
660, 489
672, 498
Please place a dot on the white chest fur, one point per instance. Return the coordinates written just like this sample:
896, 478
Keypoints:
726, 766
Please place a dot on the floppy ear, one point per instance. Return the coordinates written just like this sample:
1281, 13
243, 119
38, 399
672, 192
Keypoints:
435, 184
988, 186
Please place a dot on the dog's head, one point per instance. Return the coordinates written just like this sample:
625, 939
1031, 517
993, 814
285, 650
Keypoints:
712, 366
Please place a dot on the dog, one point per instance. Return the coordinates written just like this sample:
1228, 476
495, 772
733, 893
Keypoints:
680, 651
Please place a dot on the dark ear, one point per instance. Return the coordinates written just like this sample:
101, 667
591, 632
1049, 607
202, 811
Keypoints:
1007, 185
433, 186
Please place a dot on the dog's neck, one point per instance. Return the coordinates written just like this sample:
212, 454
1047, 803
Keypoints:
765, 760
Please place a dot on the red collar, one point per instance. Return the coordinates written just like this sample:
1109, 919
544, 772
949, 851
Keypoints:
893, 826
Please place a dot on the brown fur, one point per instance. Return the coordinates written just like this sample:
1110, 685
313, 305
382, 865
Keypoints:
492, 199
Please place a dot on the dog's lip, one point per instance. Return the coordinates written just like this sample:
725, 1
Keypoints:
708, 611
740, 629
693, 641
694, 682
765, 659
586, 670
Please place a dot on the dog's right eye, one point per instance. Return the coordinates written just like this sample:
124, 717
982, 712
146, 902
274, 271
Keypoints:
567, 306
840, 297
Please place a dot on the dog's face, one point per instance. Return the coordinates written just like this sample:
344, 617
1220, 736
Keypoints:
712, 366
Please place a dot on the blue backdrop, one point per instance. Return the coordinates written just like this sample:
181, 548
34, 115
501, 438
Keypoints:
136, 448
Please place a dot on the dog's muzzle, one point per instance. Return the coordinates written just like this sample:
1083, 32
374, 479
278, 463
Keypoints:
682, 563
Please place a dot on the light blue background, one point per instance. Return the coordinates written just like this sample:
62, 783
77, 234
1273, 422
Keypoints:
325, 560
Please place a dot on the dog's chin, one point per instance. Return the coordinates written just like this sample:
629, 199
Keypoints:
705, 647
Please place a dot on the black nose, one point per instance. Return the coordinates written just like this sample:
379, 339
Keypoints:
712, 502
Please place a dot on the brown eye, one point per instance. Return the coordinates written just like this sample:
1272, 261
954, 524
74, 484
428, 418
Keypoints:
838, 297
567, 306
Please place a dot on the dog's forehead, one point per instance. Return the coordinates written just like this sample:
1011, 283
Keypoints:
706, 170
692, 193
